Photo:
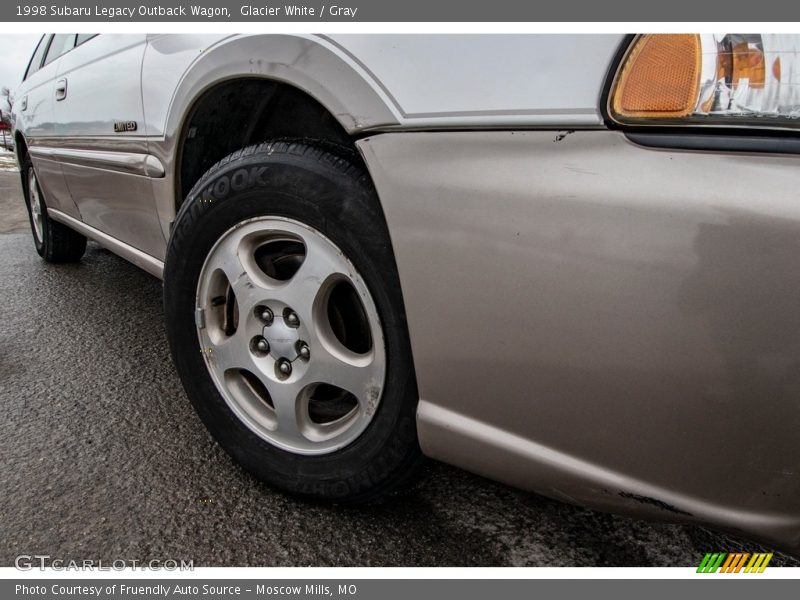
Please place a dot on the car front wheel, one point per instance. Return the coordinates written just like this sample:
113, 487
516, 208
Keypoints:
286, 323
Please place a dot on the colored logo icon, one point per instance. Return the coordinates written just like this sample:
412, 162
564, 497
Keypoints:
737, 562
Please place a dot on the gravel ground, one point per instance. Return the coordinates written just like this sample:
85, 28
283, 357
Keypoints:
102, 457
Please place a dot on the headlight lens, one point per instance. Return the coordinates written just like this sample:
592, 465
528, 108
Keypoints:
713, 79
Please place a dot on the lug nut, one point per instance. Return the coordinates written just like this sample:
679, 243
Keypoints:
292, 320
259, 346
285, 367
303, 350
266, 315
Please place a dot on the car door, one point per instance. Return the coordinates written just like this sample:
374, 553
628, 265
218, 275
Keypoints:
33, 110
99, 130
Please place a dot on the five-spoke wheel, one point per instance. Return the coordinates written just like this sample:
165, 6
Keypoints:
291, 335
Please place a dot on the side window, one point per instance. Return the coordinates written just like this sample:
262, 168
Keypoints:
36, 60
61, 43
84, 37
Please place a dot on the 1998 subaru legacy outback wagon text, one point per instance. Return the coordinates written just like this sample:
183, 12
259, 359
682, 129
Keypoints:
569, 262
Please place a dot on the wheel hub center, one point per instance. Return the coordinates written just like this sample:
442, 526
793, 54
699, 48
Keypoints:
282, 339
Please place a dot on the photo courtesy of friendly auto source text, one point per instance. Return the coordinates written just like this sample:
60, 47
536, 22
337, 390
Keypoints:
431, 286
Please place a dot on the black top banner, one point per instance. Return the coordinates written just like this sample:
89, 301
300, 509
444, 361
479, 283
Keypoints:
365, 11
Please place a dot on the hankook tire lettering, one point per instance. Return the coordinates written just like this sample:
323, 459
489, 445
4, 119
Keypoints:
240, 179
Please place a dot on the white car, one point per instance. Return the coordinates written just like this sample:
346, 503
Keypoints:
567, 262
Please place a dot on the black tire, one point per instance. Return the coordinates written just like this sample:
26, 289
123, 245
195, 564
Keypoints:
335, 196
58, 243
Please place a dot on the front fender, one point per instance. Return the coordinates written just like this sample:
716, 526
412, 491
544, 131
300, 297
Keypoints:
309, 63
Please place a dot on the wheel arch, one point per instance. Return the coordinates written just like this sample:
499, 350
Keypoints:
320, 73
20, 146
21, 152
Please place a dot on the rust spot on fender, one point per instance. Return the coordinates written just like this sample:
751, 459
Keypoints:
654, 502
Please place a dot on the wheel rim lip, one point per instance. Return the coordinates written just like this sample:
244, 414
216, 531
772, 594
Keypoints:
35, 205
257, 418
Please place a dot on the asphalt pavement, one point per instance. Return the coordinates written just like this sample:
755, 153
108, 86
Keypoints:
102, 456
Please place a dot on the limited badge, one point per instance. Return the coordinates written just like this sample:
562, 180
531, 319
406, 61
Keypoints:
123, 126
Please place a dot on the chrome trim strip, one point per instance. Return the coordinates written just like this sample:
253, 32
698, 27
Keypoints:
144, 261
125, 162
109, 143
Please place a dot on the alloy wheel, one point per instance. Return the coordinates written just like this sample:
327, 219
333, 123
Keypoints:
290, 335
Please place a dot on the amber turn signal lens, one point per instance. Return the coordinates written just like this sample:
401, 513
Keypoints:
660, 77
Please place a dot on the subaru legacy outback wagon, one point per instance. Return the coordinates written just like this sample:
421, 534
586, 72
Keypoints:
569, 263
